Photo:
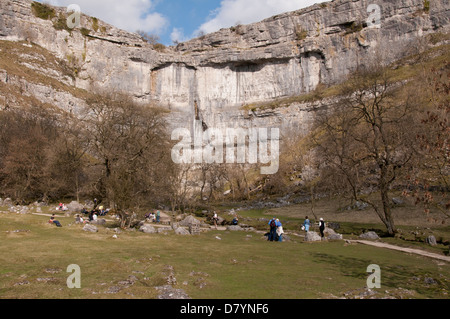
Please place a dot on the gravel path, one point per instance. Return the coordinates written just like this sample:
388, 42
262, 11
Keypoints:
406, 250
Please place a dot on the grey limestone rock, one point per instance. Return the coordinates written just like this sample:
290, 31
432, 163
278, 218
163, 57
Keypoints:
369, 235
90, 228
312, 236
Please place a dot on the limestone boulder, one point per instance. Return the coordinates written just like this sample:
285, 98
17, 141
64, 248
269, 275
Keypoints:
312, 236
148, 229
371, 235
90, 228
182, 231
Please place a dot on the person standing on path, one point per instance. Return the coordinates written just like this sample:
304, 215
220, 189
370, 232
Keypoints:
321, 227
306, 224
215, 219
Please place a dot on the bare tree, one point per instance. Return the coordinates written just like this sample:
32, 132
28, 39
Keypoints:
433, 169
129, 143
148, 37
367, 140
26, 137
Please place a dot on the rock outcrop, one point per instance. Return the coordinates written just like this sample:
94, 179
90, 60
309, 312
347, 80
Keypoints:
212, 77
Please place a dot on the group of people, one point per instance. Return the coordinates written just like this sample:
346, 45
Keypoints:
93, 214
307, 224
276, 230
101, 211
154, 216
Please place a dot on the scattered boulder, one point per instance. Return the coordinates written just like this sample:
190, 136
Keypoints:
431, 240
99, 221
330, 234
234, 228
7, 202
182, 231
430, 281
312, 236
190, 220
148, 229
335, 237
328, 231
369, 235
168, 292
90, 228
397, 201
74, 206
194, 229
358, 206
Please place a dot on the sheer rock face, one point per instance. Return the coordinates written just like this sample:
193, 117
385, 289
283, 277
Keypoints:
212, 77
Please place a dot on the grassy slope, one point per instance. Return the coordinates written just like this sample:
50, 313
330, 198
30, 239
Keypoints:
236, 267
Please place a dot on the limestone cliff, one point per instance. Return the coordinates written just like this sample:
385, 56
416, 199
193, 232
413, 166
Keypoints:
213, 76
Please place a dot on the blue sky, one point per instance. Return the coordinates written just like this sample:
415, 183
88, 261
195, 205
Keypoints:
182, 20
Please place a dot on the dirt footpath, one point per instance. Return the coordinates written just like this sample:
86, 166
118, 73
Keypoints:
406, 250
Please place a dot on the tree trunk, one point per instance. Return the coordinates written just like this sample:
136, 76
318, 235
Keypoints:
388, 218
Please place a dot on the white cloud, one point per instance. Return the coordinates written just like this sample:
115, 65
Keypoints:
130, 15
177, 35
232, 12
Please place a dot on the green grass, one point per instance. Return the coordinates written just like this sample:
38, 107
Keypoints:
42, 11
236, 267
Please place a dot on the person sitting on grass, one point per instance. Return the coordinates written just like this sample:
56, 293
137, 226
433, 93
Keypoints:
79, 219
54, 221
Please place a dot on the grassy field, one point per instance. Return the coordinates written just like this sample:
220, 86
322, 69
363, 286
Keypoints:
34, 257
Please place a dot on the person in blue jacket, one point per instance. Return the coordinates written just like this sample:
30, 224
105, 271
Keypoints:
273, 229
306, 224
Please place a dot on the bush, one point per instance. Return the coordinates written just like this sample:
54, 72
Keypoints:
61, 23
85, 31
95, 24
300, 34
43, 11
426, 6
159, 47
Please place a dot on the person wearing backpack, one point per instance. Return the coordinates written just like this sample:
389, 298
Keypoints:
273, 229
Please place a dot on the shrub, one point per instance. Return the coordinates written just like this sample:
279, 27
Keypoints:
159, 47
61, 23
95, 24
426, 6
43, 11
85, 31
300, 34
